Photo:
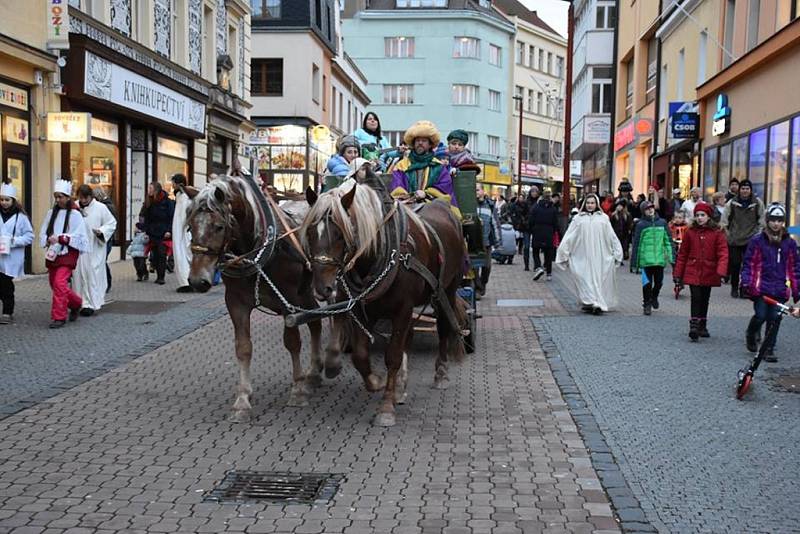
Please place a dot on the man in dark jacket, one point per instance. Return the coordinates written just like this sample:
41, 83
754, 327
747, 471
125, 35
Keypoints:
158, 212
733, 189
526, 206
543, 225
743, 218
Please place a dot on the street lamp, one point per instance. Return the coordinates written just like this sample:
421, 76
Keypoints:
519, 148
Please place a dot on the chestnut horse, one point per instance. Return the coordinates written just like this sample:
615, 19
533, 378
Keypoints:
227, 220
346, 235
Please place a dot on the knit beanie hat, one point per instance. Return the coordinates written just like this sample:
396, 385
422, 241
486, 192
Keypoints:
459, 135
704, 207
346, 142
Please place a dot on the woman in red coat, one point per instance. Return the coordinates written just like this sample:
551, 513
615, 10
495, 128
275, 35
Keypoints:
702, 264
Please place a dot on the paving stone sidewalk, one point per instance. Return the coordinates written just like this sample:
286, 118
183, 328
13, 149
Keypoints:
37, 363
137, 449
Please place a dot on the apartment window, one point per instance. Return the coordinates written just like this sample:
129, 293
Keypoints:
681, 73
266, 77
398, 94
334, 107
162, 15
495, 55
421, 3
266, 9
629, 88
606, 17
549, 63
541, 60
652, 70
518, 92
340, 119
324, 92
560, 67
541, 105
398, 46
494, 100
752, 24
494, 145
520, 53
701, 57
315, 79
662, 91
318, 14
783, 13
531, 97
560, 109
466, 47
473, 141
465, 95
531, 56
730, 13
209, 56
395, 137
349, 116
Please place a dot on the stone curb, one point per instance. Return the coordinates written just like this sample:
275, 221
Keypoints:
627, 510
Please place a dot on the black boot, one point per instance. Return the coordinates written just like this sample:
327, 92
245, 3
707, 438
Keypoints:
751, 335
694, 329
647, 308
770, 357
704, 328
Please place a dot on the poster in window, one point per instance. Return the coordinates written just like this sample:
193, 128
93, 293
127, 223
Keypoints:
100, 163
98, 177
16, 131
16, 173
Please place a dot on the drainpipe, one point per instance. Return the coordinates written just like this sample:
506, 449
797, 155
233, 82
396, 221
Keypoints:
610, 156
658, 101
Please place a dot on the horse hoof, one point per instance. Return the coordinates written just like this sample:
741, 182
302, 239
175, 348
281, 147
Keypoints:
297, 401
384, 420
314, 380
375, 383
241, 416
332, 372
441, 383
403, 398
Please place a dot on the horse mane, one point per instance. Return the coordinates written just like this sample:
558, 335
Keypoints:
362, 225
231, 187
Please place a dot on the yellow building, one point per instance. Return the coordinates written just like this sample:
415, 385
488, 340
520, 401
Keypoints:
637, 68
687, 37
160, 87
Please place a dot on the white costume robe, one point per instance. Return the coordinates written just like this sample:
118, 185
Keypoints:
90, 276
591, 250
76, 230
19, 228
181, 239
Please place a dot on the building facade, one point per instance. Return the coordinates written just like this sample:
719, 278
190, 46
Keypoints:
593, 92
749, 110
305, 92
539, 71
448, 62
636, 79
157, 87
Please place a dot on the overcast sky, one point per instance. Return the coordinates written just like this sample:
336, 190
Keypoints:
553, 12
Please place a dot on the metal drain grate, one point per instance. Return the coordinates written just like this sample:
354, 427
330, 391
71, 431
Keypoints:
295, 488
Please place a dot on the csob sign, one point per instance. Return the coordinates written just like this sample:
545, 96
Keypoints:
722, 117
118, 85
684, 120
69, 127
57, 24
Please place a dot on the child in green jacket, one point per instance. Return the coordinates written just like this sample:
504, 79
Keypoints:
652, 250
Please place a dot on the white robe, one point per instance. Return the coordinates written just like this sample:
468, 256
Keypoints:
78, 238
19, 228
90, 277
591, 250
181, 239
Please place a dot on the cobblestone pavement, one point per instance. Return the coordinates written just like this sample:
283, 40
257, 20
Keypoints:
138, 448
37, 363
694, 457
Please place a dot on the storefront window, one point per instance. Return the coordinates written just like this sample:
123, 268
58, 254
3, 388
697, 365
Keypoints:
778, 162
173, 158
724, 175
96, 164
710, 172
739, 159
758, 161
794, 217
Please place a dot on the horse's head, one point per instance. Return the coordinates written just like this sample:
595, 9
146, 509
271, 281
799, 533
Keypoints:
211, 224
327, 234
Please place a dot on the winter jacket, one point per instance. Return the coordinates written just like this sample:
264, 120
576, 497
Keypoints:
138, 244
158, 217
491, 222
338, 166
742, 220
622, 226
703, 257
543, 223
371, 148
508, 241
651, 243
519, 215
771, 269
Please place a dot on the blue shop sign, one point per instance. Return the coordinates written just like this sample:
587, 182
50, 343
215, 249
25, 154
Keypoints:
684, 120
722, 117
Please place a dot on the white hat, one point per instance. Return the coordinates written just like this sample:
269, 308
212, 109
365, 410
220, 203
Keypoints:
776, 211
8, 190
64, 187
355, 165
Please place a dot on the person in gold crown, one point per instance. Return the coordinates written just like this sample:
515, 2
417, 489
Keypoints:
421, 174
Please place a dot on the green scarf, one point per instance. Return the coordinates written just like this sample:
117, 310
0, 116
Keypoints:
420, 163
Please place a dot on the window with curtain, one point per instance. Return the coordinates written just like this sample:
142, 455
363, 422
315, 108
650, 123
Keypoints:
466, 47
266, 9
778, 162
494, 145
758, 161
465, 95
398, 47
473, 141
494, 100
495, 55
520, 53
398, 94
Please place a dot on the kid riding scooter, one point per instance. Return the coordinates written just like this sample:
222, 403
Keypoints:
745, 377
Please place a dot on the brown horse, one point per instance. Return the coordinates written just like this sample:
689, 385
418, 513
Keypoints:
227, 220
346, 234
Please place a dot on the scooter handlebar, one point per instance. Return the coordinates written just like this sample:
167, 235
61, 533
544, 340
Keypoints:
788, 310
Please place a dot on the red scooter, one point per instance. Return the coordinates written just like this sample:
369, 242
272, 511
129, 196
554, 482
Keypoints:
745, 377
